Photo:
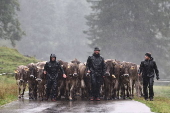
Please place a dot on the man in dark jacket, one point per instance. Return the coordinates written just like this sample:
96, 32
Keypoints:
51, 69
96, 68
148, 68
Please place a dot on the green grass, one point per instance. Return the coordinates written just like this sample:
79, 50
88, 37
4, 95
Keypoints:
10, 59
161, 103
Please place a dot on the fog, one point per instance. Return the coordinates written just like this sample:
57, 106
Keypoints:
123, 29
54, 26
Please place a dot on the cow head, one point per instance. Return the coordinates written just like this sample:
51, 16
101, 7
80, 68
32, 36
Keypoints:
32, 70
109, 67
40, 74
124, 78
75, 61
73, 69
21, 73
124, 69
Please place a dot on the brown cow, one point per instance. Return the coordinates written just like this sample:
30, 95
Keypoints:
140, 83
71, 80
125, 80
117, 81
41, 80
85, 81
109, 79
133, 74
78, 82
21, 76
32, 83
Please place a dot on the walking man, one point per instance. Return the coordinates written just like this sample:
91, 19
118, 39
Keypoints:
96, 68
148, 69
51, 69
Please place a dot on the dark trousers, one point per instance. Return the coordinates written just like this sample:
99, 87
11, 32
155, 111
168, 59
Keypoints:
148, 83
95, 85
51, 90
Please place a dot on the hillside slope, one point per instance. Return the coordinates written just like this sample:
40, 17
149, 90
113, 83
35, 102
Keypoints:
11, 58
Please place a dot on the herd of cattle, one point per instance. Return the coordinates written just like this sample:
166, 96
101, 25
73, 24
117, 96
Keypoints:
120, 80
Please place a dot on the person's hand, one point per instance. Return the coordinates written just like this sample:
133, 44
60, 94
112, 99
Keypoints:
88, 71
64, 76
157, 77
45, 72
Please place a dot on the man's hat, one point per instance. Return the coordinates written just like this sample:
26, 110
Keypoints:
148, 54
96, 49
53, 55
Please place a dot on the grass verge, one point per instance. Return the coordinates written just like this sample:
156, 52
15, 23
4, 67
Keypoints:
8, 89
161, 100
10, 59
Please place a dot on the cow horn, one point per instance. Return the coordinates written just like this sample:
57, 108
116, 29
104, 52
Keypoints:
113, 76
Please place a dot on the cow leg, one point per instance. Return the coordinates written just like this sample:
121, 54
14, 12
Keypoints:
35, 91
128, 91
133, 84
72, 90
82, 93
106, 87
118, 90
136, 83
110, 91
19, 93
82, 89
115, 90
24, 87
30, 87
123, 91
42, 90
131, 87
67, 89
61, 89
140, 90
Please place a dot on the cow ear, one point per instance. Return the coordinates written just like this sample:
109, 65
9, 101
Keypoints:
68, 66
16, 71
114, 62
132, 68
84, 63
26, 69
121, 66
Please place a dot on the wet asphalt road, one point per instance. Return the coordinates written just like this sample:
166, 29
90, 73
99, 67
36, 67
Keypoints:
112, 106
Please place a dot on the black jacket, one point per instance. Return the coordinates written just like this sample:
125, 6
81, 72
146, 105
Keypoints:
95, 64
53, 67
148, 68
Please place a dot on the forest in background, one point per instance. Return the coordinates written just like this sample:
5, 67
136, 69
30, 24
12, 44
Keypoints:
123, 29
127, 29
